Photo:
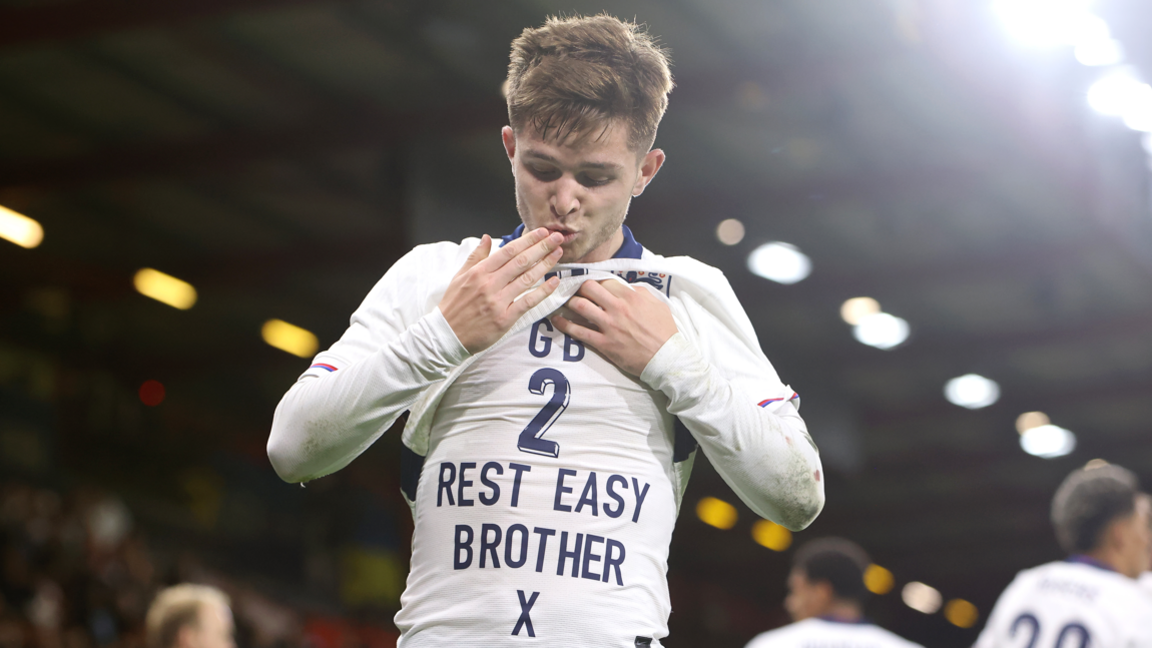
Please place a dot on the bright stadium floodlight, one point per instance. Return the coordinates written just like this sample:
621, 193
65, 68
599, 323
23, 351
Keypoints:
780, 262
1048, 441
921, 597
767, 533
972, 391
1119, 93
878, 580
1098, 53
881, 330
20, 229
730, 231
287, 337
1050, 23
853, 311
717, 513
165, 288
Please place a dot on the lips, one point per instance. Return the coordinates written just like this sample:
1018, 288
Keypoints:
569, 235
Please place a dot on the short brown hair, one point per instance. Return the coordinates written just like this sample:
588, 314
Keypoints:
838, 561
573, 74
177, 607
1088, 500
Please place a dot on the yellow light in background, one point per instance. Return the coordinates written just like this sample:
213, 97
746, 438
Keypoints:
20, 229
961, 613
717, 513
878, 580
853, 311
1031, 420
165, 288
767, 533
289, 337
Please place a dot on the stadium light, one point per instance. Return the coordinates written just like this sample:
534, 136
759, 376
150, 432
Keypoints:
717, 513
878, 580
853, 311
1098, 53
780, 262
730, 231
165, 288
1051, 23
768, 534
921, 597
972, 391
20, 229
289, 337
1048, 441
961, 613
881, 330
1116, 93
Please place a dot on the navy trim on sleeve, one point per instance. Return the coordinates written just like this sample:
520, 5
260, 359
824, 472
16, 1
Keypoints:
630, 249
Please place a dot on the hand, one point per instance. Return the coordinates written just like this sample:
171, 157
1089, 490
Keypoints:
630, 325
480, 303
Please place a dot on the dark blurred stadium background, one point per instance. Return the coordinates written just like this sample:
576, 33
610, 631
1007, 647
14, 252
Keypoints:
279, 155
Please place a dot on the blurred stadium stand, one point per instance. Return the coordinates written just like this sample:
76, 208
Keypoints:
279, 155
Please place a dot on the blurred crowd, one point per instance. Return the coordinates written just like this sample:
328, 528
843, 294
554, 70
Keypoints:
78, 571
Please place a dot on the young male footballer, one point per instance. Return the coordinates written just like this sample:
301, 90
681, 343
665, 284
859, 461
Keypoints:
1092, 598
826, 596
544, 372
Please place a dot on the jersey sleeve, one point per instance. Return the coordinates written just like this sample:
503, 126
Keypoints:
747, 422
397, 345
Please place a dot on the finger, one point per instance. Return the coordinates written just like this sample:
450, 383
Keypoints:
616, 287
533, 299
479, 254
529, 257
588, 310
597, 293
573, 330
534, 274
516, 246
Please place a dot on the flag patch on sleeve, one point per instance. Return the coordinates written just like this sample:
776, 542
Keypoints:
767, 402
328, 367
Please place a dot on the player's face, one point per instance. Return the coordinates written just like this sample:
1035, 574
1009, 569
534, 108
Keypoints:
579, 187
1141, 535
805, 599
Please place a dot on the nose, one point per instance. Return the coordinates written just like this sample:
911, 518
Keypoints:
565, 198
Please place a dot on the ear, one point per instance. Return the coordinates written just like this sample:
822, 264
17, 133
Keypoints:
649, 166
509, 138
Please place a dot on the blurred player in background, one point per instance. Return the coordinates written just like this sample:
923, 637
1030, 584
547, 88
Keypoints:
190, 616
826, 597
544, 373
1092, 598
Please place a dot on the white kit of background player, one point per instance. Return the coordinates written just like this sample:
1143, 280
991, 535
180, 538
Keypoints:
1093, 599
541, 459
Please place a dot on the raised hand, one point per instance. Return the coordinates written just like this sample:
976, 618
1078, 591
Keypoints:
480, 303
630, 325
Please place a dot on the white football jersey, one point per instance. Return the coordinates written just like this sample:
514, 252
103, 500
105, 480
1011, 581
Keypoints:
1070, 604
546, 503
1146, 581
544, 482
828, 633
